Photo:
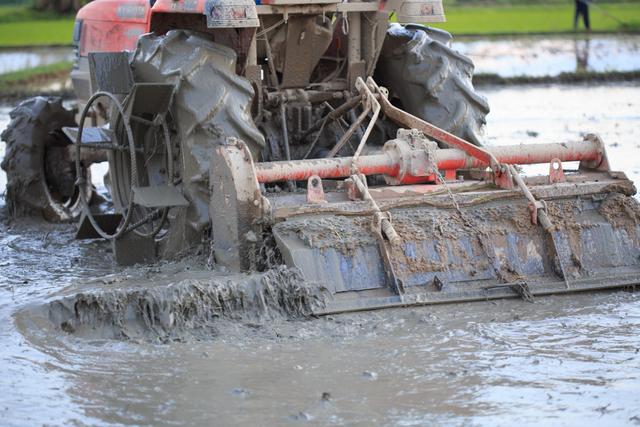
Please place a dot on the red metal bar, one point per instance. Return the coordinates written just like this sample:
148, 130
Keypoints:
339, 167
446, 159
412, 122
522, 155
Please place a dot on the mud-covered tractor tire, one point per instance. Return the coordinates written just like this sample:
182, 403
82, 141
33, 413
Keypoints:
210, 104
430, 80
40, 174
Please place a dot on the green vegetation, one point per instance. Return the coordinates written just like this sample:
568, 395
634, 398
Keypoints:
542, 18
36, 33
23, 13
13, 80
21, 26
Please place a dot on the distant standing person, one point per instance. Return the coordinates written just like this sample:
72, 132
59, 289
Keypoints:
582, 8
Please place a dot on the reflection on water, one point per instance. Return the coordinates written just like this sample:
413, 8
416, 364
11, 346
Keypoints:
582, 54
550, 56
516, 56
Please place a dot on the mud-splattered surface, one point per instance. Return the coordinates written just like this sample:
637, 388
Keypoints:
566, 360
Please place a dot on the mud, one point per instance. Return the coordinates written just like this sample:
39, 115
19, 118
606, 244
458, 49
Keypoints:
344, 234
563, 360
181, 307
461, 241
622, 214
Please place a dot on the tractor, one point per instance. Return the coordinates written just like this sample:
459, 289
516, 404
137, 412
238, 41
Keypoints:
317, 135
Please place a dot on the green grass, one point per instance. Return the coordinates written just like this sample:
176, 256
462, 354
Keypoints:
36, 33
536, 19
23, 13
20, 26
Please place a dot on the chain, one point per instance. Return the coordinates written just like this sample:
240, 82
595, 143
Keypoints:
479, 233
152, 216
522, 289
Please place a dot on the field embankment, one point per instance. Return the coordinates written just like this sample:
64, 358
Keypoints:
36, 81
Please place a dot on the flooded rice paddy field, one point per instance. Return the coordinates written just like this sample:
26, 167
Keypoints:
565, 360
20, 59
505, 56
549, 56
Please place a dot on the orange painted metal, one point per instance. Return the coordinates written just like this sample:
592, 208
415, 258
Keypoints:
445, 159
116, 25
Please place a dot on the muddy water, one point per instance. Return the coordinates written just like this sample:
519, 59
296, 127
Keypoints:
562, 360
550, 56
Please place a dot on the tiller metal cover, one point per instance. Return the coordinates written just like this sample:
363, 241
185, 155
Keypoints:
452, 224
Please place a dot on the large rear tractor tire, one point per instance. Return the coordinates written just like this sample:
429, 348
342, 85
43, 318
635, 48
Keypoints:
210, 104
40, 174
430, 80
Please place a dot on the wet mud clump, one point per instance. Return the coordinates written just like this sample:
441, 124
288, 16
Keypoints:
622, 212
187, 309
